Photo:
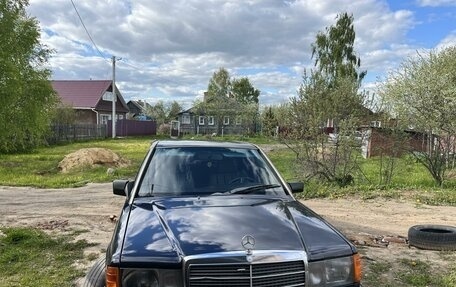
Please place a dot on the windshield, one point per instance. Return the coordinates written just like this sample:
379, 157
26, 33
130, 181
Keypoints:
201, 171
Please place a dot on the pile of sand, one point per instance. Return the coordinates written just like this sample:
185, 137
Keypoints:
92, 157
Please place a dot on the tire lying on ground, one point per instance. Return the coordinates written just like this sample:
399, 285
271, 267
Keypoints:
433, 237
96, 275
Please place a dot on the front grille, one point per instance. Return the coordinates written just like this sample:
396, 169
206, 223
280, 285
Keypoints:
283, 274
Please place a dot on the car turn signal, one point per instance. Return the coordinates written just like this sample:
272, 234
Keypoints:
357, 268
112, 277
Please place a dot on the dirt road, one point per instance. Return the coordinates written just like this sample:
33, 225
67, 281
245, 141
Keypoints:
89, 208
86, 208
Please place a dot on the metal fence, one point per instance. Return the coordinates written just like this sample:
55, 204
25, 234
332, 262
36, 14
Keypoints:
132, 128
69, 133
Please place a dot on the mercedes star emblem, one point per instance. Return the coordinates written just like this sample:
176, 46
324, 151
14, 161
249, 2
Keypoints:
248, 242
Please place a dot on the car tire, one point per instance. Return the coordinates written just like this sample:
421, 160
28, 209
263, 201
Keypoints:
96, 277
432, 237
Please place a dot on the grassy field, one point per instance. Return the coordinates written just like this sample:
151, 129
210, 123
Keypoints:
40, 169
30, 257
409, 273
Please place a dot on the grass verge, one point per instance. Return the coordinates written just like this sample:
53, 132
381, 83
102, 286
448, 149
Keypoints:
30, 257
39, 168
409, 273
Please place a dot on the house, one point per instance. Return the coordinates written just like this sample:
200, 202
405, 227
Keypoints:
138, 110
91, 99
193, 122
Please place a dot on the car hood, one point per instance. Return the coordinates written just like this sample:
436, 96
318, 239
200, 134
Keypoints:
166, 230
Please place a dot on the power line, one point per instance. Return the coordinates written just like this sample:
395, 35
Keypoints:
87, 31
139, 69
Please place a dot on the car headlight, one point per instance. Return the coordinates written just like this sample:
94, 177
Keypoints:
335, 272
152, 278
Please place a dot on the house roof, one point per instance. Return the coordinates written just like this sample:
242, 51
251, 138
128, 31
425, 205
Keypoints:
84, 94
190, 110
140, 105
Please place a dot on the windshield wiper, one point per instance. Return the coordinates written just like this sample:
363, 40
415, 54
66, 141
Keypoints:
247, 189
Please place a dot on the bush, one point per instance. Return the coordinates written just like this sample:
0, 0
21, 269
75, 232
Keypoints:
164, 129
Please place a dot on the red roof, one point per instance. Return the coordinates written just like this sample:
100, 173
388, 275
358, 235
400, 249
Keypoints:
84, 94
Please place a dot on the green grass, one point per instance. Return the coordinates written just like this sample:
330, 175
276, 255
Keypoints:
39, 168
407, 173
285, 162
409, 273
410, 181
30, 257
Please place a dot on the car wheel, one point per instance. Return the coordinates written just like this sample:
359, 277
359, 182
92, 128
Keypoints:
433, 237
96, 277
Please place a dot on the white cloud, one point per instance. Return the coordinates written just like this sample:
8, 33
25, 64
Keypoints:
436, 3
171, 48
448, 41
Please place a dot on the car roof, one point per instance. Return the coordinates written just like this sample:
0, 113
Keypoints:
198, 143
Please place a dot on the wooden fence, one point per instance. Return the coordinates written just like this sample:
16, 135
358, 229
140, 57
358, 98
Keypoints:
69, 133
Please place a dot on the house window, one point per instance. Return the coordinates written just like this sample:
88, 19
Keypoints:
226, 120
120, 117
238, 121
201, 120
210, 120
186, 119
107, 96
330, 123
104, 119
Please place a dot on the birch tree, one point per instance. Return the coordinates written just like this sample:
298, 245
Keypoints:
329, 92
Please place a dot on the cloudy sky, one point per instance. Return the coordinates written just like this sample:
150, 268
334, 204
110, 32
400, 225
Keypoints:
169, 49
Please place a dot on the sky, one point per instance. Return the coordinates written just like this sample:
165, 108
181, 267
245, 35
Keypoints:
168, 50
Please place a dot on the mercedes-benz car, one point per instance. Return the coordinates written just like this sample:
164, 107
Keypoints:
207, 214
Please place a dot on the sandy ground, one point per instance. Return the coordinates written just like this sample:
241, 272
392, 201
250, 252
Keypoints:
90, 207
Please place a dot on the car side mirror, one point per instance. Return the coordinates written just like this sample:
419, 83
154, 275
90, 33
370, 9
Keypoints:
122, 187
296, 187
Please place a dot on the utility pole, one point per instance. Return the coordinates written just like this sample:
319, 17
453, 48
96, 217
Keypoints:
114, 97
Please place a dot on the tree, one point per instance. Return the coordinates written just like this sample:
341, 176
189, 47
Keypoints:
157, 112
337, 70
329, 92
28, 99
219, 85
163, 112
270, 122
174, 109
421, 94
64, 115
221, 100
334, 51
244, 92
